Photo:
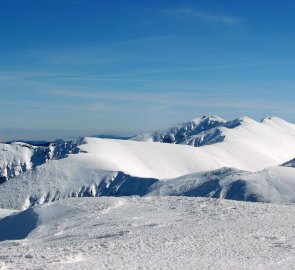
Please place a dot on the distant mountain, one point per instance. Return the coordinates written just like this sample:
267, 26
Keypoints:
109, 136
197, 132
205, 130
34, 143
290, 163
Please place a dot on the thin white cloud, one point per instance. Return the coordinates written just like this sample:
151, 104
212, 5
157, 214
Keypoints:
204, 16
172, 100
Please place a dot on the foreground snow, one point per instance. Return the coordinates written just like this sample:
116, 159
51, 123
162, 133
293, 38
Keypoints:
149, 233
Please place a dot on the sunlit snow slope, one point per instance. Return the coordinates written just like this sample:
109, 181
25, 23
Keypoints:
250, 146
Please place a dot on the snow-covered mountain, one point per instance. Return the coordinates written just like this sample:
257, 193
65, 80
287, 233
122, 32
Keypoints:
96, 167
204, 130
61, 179
290, 163
19, 157
199, 131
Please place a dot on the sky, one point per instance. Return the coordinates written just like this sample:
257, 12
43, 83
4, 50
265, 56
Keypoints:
82, 67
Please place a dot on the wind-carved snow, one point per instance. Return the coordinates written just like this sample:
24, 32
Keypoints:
149, 233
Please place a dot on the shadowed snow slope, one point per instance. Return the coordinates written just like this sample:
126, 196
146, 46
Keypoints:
150, 233
61, 179
290, 163
276, 184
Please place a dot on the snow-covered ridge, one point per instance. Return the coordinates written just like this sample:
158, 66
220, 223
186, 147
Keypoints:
126, 167
197, 132
268, 143
19, 157
275, 184
290, 163
247, 145
205, 130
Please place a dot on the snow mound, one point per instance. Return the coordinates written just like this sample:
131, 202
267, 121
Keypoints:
18, 226
275, 184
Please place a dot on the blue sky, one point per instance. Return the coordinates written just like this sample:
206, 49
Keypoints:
81, 67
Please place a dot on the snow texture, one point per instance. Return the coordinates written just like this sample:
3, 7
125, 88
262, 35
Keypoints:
149, 233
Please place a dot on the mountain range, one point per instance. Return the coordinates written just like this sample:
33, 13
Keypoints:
240, 159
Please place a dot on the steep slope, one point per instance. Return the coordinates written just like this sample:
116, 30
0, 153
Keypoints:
75, 176
290, 163
197, 132
80, 177
19, 157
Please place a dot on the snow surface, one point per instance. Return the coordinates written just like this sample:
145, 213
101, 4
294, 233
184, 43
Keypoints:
149, 233
237, 160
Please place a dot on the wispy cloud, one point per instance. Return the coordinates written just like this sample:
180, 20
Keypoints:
173, 100
204, 16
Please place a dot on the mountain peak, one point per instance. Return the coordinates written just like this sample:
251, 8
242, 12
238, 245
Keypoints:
213, 118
